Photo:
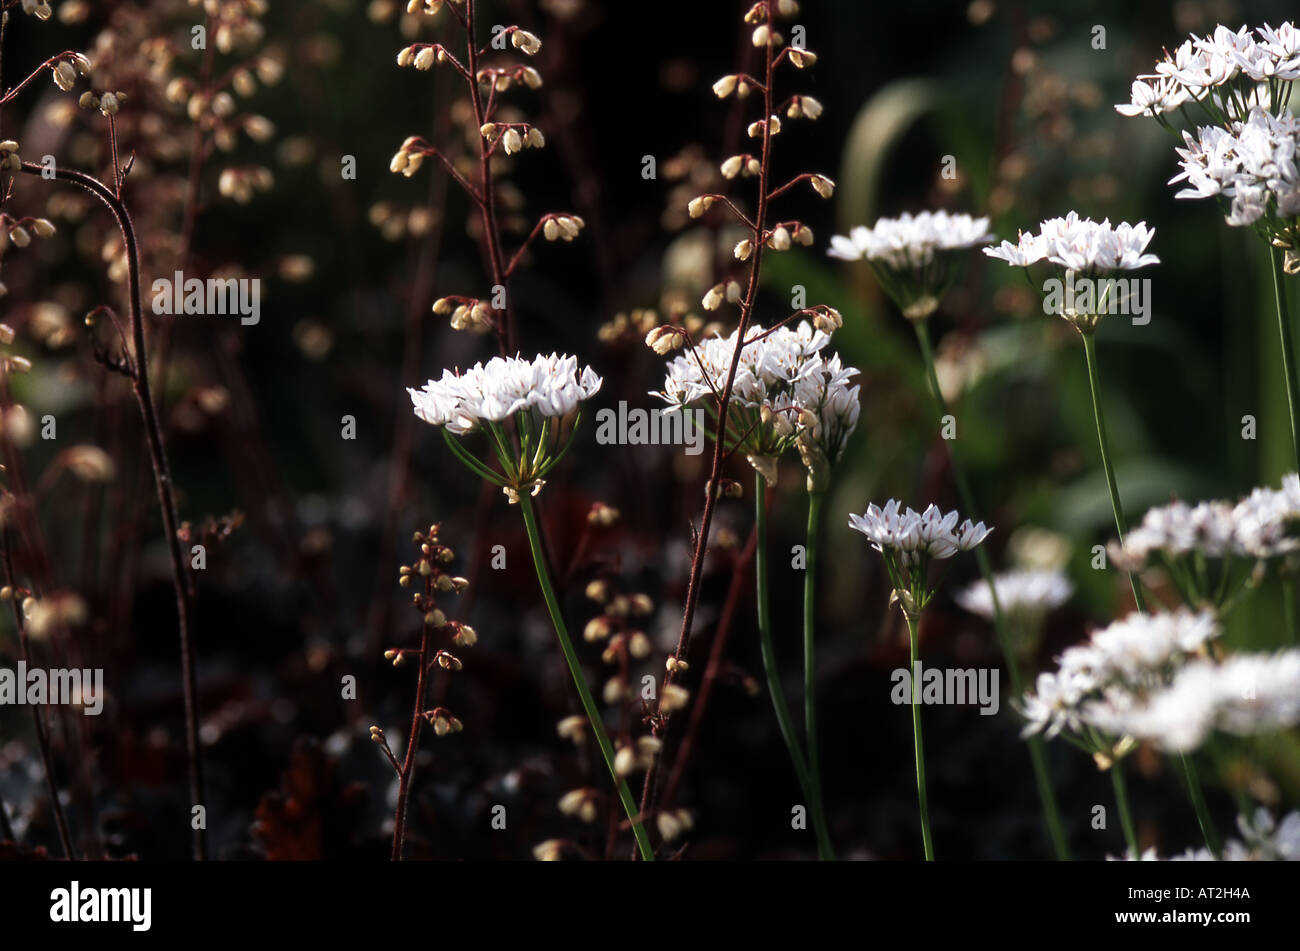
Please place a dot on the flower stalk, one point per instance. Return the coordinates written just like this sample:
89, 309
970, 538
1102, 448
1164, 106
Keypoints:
579, 680
1037, 750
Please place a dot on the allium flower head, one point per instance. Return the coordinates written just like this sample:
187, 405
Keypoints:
496, 390
1210, 548
539, 394
1079, 248
1125, 660
912, 255
1024, 594
910, 540
784, 391
1245, 155
1245, 694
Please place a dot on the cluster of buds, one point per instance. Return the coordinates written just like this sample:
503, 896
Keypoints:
57, 611
68, 68
745, 165
673, 822
408, 159
614, 627
512, 136
40, 9
728, 291
637, 755
467, 313
19, 231
427, 7
239, 183
9, 159
422, 56
108, 103
501, 78
431, 569
581, 804
561, 227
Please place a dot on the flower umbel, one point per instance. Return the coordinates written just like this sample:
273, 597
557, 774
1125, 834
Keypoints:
910, 541
542, 396
914, 257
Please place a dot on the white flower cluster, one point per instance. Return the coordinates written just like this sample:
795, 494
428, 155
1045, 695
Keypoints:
1263, 840
1081, 245
498, 389
1202, 65
912, 537
1128, 657
1244, 694
911, 241
1030, 594
1264, 524
1251, 163
781, 375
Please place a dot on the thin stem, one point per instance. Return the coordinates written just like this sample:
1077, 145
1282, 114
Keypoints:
724, 401
1037, 748
161, 474
1288, 608
918, 743
774, 688
1121, 523
575, 668
1288, 351
815, 499
1121, 526
1125, 815
1198, 802
412, 744
38, 712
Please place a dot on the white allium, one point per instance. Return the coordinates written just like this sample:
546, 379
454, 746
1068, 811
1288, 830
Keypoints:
911, 536
496, 390
1025, 593
911, 242
1118, 662
1081, 245
1265, 840
1245, 694
1252, 164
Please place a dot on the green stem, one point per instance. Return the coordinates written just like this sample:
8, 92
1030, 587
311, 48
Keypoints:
1288, 351
1198, 803
1037, 748
1125, 816
1121, 524
575, 668
815, 499
769, 663
1288, 608
918, 744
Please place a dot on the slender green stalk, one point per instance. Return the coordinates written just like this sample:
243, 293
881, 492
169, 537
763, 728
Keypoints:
1198, 803
1117, 507
815, 499
1288, 608
575, 668
1121, 526
918, 744
770, 668
1125, 815
1288, 351
1037, 748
